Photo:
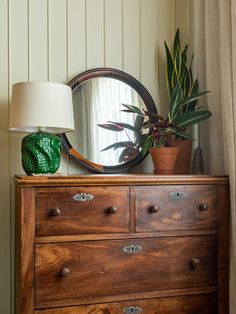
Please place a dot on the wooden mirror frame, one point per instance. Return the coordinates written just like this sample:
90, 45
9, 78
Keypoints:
144, 95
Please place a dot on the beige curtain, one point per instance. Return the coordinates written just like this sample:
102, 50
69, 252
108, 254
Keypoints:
214, 29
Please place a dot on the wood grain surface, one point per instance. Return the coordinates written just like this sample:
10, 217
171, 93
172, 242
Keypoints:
102, 268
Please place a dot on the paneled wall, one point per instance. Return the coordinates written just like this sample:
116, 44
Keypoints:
57, 39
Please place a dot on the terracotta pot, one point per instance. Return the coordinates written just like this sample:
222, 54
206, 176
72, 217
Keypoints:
164, 159
182, 165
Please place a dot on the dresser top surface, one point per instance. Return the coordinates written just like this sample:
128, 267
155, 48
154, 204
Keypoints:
120, 179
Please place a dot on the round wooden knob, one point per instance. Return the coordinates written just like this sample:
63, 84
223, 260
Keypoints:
65, 272
203, 207
55, 212
195, 262
154, 209
112, 210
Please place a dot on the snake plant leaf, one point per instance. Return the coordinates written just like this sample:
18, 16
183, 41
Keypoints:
111, 127
190, 118
148, 142
169, 69
193, 97
194, 90
185, 135
178, 65
124, 125
184, 54
175, 102
118, 145
176, 42
134, 109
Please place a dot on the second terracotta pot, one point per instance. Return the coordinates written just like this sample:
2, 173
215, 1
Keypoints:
164, 159
182, 165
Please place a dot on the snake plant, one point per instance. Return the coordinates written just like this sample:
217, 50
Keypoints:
183, 89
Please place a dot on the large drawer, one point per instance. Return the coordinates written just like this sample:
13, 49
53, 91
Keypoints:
176, 207
204, 304
93, 269
74, 210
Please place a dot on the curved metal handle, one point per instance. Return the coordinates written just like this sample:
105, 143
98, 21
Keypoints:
83, 197
154, 209
65, 272
132, 249
203, 207
195, 262
132, 310
112, 210
55, 212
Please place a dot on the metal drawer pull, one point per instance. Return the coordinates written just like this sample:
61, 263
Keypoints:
195, 262
132, 249
203, 207
154, 209
112, 210
132, 310
55, 212
83, 197
177, 195
65, 272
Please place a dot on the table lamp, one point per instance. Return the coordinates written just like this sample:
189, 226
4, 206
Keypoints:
43, 109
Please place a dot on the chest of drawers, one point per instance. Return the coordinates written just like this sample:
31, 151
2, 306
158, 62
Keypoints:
123, 244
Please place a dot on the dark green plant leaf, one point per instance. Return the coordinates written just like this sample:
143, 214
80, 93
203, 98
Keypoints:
185, 55
190, 118
178, 65
175, 102
148, 142
184, 135
194, 90
128, 153
118, 145
176, 42
138, 123
124, 126
134, 109
111, 127
169, 69
193, 97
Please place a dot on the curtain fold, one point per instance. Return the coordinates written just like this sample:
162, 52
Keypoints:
219, 18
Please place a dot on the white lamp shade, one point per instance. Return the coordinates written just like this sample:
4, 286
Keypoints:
41, 105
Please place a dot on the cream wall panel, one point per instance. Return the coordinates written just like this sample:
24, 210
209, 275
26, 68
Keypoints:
181, 18
57, 50
5, 213
18, 68
95, 33
113, 34
166, 33
76, 37
38, 40
131, 37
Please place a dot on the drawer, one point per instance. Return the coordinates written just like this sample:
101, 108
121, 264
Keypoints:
206, 304
176, 207
74, 210
91, 269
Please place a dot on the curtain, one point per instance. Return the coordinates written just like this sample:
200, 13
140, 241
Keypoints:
217, 37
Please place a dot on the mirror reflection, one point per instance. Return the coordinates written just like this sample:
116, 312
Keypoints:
105, 134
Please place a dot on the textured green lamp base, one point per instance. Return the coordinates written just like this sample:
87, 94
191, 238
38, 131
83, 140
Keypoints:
41, 153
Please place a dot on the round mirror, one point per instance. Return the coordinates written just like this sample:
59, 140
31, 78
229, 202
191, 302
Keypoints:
107, 138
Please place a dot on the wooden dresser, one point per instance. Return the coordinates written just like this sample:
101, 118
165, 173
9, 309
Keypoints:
122, 244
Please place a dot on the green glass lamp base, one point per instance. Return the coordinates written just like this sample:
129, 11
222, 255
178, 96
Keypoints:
41, 153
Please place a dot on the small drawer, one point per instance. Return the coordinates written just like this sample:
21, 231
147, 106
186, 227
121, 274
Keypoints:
79, 210
206, 304
160, 208
91, 269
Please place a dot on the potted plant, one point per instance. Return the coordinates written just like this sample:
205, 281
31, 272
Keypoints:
183, 89
157, 139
